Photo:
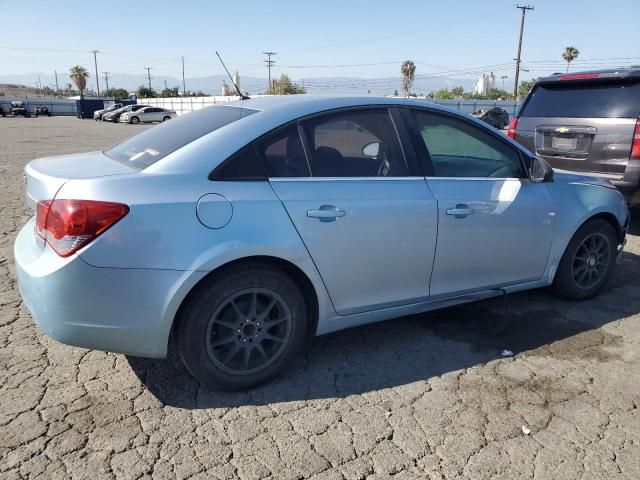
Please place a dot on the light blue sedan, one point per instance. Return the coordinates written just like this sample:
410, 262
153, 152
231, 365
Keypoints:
244, 230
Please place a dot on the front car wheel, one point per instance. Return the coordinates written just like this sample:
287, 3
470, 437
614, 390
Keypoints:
588, 261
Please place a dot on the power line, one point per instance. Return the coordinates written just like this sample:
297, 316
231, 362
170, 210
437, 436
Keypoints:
95, 63
184, 85
270, 63
524, 9
148, 69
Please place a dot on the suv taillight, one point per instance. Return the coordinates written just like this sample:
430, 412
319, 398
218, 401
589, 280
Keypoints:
511, 129
68, 225
635, 144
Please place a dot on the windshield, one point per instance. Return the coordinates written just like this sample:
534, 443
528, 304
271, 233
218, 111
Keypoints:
152, 145
585, 100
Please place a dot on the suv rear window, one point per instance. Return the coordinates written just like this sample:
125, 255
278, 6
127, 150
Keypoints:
157, 142
584, 100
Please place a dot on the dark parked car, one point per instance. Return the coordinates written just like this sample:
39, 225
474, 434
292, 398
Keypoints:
588, 122
114, 116
496, 117
43, 110
97, 115
19, 109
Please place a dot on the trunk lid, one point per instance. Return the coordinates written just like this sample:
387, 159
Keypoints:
45, 176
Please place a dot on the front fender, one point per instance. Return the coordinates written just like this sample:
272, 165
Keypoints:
577, 202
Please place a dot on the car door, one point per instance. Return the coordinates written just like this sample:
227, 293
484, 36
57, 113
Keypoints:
154, 115
365, 215
495, 226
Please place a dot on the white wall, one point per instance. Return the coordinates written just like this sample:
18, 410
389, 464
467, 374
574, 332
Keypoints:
186, 104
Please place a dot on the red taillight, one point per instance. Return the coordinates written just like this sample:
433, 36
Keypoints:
511, 129
579, 76
635, 144
68, 225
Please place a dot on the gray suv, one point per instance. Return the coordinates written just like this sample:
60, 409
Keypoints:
587, 122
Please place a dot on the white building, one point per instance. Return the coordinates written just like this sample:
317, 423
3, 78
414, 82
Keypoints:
224, 91
485, 83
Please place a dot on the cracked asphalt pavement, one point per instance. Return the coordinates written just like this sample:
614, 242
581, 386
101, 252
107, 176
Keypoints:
428, 396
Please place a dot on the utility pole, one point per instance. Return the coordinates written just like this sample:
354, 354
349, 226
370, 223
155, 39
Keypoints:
503, 77
524, 9
95, 63
184, 85
56, 74
270, 63
106, 79
149, 75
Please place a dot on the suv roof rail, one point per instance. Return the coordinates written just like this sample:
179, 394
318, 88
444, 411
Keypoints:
593, 75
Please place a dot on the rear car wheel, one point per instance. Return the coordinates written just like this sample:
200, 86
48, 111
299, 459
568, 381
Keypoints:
134, 120
242, 328
588, 262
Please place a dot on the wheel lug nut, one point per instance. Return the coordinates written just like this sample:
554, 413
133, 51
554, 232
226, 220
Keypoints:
244, 340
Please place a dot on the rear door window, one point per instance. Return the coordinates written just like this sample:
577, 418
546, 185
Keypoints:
620, 99
360, 143
283, 154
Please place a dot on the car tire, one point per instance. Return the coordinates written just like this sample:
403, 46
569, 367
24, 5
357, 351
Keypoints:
166, 118
588, 261
134, 120
242, 328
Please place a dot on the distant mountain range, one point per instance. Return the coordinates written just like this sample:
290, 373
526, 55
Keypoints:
213, 84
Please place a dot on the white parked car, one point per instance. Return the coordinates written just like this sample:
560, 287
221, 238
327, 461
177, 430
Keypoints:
148, 114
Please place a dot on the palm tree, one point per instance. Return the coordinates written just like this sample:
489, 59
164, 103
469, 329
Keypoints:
408, 70
79, 76
569, 55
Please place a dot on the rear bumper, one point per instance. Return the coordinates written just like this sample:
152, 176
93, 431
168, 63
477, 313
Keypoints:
126, 311
629, 185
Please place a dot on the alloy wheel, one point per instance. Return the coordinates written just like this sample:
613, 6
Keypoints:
248, 331
591, 260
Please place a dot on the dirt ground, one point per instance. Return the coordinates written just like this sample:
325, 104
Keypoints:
429, 396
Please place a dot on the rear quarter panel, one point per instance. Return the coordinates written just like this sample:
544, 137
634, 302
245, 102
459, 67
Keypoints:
162, 229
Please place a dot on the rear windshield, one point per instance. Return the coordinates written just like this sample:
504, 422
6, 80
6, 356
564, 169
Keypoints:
157, 142
594, 99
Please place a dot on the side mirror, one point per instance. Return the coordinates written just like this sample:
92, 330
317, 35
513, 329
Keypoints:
371, 149
541, 171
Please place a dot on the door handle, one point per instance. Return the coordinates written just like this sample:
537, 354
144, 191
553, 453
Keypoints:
326, 213
460, 211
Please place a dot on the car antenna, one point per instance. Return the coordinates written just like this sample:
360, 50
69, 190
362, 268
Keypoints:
242, 97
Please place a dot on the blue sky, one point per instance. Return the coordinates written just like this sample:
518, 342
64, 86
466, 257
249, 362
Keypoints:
319, 36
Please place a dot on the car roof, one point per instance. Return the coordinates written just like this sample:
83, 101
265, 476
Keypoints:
323, 102
269, 113
592, 75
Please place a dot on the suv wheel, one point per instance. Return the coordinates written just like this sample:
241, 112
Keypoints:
242, 328
588, 261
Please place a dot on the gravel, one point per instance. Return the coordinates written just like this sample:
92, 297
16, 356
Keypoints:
429, 396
